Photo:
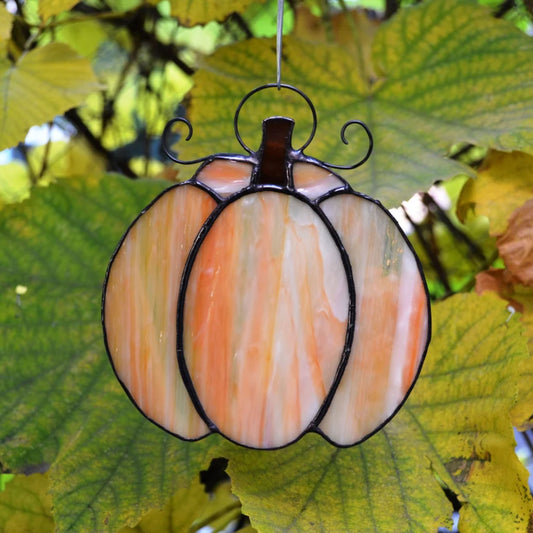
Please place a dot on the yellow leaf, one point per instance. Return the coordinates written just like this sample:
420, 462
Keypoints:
26, 506
193, 12
44, 83
49, 8
85, 37
467, 388
504, 182
522, 413
176, 516
354, 31
221, 509
65, 160
6, 20
15, 183
189, 510
520, 299
524, 295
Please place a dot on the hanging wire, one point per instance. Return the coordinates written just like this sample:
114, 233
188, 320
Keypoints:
279, 36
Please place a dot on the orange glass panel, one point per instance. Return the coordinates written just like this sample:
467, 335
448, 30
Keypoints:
225, 177
392, 320
314, 181
265, 318
141, 305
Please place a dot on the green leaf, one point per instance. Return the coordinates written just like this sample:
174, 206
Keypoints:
42, 84
454, 431
49, 8
61, 404
446, 71
26, 506
4, 480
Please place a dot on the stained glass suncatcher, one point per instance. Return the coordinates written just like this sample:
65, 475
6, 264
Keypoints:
264, 298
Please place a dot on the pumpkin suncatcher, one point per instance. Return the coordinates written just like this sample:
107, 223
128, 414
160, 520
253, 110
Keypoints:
264, 298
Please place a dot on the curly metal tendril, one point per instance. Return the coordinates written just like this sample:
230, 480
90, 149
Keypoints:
165, 141
276, 86
345, 141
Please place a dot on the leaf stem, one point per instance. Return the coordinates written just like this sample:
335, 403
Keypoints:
114, 162
391, 6
46, 154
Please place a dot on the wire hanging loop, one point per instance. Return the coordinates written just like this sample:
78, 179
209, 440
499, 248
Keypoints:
270, 86
345, 141
279, 38
165, 144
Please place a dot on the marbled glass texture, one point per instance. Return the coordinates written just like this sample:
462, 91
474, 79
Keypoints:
224, 176
265, 318
391, 329
314, 181
266, 309
140, 307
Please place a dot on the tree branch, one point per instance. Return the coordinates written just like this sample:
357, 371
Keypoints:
242, 25
431, 251
504, 8
391, 6
114, 163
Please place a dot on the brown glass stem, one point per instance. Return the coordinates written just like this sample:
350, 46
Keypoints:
273, 167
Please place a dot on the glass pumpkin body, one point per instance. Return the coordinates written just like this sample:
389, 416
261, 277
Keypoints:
263, 299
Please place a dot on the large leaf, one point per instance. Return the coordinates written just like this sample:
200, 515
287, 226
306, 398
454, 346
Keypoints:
446, 72
44, 83
60, 403
453, 431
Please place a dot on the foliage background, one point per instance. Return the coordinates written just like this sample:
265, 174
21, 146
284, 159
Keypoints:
447, 89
